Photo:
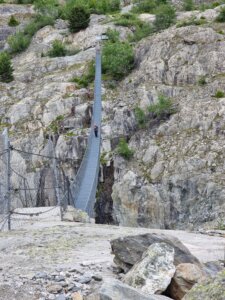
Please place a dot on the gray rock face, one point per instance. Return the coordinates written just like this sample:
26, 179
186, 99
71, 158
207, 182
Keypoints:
178, 162
116, 290
154, 272
129, 250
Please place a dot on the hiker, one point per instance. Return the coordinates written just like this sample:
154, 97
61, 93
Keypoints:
96, 130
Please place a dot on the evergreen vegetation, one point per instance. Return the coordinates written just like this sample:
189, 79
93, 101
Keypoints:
21, 40
13, 22
93, 6
164, 17
6, 69
140, 117
58, 49
78, 18
117, 59
147, 6
188, 5
163, 108
124, 150
221, 16
140, 29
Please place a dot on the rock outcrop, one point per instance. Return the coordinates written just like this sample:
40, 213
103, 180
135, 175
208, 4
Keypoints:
114, 290
129, 250
153, 273
174, 179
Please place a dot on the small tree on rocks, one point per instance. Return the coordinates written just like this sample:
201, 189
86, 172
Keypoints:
79, 18
6, 69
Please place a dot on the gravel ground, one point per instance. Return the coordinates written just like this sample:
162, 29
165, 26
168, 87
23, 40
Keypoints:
44, 253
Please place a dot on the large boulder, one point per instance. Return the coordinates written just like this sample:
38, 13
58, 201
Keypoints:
154, 272
129, 250
116, 290
210, 289
185, 277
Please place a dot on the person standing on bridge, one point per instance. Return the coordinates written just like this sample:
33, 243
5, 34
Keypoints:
96, 130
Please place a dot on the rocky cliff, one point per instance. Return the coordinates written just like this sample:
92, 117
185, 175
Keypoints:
176, 176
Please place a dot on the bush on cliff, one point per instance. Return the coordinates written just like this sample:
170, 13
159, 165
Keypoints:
78, 18
124, 150
163, 108
6, 69
165, 16
117, 59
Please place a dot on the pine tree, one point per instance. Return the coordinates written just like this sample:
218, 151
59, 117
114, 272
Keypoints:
79, 18
6, 69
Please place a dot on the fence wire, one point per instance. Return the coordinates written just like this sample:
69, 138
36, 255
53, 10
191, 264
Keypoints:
50, 196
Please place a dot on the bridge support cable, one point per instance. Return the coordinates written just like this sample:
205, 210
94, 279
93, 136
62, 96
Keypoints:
86, 180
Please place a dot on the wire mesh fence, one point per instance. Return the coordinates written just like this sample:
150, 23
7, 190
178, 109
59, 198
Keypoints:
17, 193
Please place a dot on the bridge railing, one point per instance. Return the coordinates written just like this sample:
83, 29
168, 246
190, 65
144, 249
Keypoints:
96, 119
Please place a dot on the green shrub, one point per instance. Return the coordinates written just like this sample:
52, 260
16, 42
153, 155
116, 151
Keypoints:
21, 40
140, 117
165, 16
219, 94
140, 29
117, 59
58, 49
147, 6
163, 108
221, 16
6, 69
86, 78
18, 42
188, 5
13, 22
191, 21
47, 7
127, 20
113, 35
124, 150
202, 80
79, 18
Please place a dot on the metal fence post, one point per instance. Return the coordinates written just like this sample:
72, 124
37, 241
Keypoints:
56, 179
8, 181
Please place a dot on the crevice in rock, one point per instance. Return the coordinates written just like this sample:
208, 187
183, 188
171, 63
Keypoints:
104, 203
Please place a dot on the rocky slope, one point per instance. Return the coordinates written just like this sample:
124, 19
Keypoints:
176, 177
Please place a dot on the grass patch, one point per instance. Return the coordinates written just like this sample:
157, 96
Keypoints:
140, 117
87, 78
124, 150
191, 21
21, 40
163, 108
58, 49
147, 6
219, 94
140, 29
202, 80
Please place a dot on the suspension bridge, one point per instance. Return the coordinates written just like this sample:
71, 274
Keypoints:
82, 191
